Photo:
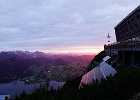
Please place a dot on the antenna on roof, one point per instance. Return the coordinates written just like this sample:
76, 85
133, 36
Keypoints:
108, 37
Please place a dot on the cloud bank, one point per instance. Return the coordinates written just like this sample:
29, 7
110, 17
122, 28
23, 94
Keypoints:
59, 24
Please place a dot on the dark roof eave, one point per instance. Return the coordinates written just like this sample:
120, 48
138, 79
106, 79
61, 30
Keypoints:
127, 16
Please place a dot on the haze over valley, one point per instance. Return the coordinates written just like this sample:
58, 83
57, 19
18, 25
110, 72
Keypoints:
39, 66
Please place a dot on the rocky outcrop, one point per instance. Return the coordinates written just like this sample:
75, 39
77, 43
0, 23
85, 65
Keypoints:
100, 72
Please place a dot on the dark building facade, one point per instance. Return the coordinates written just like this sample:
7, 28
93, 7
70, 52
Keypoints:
129, 27
127, 46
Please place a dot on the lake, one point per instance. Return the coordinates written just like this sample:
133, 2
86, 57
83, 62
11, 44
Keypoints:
17, 87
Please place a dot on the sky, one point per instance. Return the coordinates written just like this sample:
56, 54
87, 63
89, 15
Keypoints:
60, 25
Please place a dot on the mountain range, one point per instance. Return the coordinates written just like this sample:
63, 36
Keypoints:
38, 66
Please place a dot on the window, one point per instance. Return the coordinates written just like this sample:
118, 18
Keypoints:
138, 16
132, 19
136, 25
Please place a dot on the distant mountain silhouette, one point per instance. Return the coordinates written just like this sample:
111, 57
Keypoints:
19, 64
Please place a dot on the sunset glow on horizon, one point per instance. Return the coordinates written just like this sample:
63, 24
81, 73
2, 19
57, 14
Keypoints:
76, 50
